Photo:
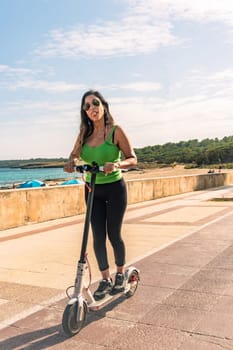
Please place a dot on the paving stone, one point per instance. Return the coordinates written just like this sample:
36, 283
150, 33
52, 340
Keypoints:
183, 301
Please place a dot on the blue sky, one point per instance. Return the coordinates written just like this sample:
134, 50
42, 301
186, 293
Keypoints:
165, 67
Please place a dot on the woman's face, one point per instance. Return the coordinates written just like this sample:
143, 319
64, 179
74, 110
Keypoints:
94, 108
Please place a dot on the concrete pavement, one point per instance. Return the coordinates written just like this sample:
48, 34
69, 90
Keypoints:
183, 246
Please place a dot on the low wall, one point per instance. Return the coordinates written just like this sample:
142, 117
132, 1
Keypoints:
25, 206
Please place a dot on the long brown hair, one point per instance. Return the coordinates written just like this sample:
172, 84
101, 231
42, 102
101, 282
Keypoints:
86, 125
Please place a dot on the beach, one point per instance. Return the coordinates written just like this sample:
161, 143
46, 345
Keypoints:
138, 173
178, 170
167, 171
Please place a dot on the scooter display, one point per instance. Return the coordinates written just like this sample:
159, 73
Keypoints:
82, 301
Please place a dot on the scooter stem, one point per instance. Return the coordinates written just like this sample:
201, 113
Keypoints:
87, 218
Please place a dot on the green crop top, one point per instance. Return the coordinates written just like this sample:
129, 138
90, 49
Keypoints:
106, 152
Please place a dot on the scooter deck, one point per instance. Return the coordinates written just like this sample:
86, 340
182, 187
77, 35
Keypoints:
98, 304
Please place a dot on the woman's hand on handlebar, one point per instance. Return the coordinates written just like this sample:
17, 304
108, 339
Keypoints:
110, 167
69, 167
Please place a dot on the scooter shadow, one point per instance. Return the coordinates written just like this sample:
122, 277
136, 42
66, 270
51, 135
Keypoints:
34, 340
47, 337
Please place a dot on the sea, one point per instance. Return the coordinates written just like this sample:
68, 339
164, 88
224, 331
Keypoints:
10, 176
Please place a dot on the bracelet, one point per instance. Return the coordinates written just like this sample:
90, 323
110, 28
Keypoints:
118, 165
73, 161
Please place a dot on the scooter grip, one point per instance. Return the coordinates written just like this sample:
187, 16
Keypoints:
80, 168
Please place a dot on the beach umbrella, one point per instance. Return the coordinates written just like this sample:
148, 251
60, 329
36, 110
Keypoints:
32, 183
72, 182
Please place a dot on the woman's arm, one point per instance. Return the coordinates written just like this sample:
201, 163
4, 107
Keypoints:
122, 141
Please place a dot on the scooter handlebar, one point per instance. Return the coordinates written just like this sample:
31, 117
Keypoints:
94, 168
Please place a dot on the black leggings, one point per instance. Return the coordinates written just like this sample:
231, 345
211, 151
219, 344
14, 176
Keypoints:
109, 206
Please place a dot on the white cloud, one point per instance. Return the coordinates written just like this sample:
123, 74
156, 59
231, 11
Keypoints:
151, 122
50, 114
219, 83
108, 39
141, 86
131, 33
21, 79
5, 69
198, 10
204, 112
204, 10
53, 87
144, 27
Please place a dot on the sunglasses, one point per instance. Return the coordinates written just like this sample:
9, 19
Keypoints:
94, 103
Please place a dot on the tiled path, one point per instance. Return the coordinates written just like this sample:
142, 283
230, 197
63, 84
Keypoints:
183, 246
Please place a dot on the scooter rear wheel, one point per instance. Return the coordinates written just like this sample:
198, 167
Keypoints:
133, 280
70, 324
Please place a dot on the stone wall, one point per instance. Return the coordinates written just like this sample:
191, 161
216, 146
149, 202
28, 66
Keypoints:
26, 206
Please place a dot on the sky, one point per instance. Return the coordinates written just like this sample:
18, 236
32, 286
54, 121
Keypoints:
164, 66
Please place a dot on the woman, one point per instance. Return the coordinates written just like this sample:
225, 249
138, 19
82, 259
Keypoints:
102, 141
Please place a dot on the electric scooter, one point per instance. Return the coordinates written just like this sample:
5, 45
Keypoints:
82, 300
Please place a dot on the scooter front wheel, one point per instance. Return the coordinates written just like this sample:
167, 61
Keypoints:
74, 317
133, 280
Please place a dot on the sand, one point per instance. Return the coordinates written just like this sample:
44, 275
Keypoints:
168, 171
148, 173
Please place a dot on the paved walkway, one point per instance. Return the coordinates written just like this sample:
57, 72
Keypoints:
183, 246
